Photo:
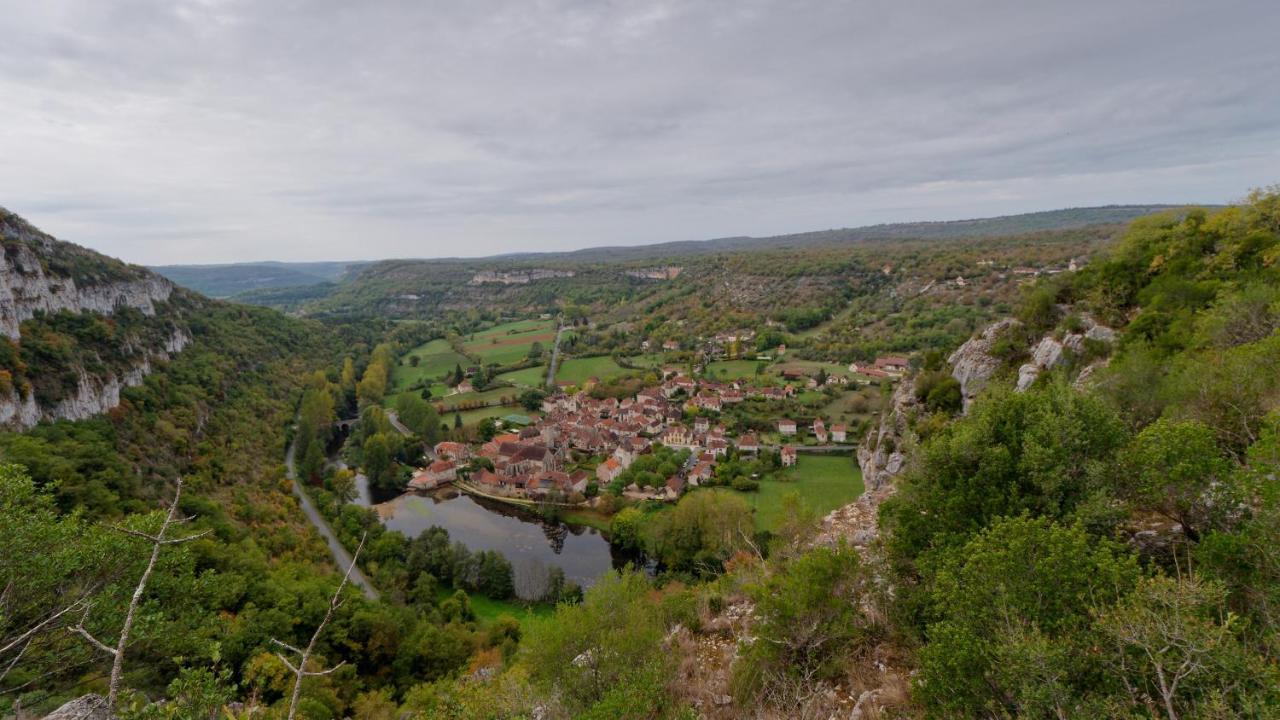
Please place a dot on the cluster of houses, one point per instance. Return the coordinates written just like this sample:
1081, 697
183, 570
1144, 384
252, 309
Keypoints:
530, 464
838, 433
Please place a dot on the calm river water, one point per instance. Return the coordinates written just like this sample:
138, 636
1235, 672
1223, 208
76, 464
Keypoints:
531, 544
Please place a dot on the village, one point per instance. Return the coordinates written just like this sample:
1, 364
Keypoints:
582, 445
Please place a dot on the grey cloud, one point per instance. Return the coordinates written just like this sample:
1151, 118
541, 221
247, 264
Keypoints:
222, 130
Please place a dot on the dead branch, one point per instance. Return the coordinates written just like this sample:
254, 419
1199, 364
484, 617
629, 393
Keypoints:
300, 670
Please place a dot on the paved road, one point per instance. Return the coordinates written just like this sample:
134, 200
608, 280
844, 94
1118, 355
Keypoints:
555, 360
395, 423
340, 555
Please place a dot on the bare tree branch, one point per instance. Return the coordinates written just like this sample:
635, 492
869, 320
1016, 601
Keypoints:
300, 670
157, 541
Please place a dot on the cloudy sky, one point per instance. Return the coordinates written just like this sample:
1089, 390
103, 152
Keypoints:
225, 130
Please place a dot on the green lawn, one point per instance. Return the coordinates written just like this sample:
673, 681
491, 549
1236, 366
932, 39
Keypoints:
528, 377
487, 609
824, 483
577, 370
733, 369
510, 342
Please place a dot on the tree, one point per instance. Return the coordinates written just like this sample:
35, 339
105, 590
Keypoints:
532, 399
304, 656
373, 386
703, 530
1173, 640
414, 360
535, 351
457, 420
1040, 452
1021, 579
609, 644
1174, 467
157, 541
51, 566
343, 485
313, 462
378, 459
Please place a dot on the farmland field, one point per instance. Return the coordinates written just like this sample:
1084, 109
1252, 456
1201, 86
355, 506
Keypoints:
578, 370
824, 483
733, 369
528, 377
463, 399
435, 359
510, 342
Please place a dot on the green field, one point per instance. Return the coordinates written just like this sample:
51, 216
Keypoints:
528, 377
471, 417
487, 609
488, 396
733, 369
853, 406
824, 483
577, 370
510, 342
434, 360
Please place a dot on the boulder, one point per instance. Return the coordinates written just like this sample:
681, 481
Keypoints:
85, 707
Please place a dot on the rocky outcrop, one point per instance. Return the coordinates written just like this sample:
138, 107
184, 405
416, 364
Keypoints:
40, 274
92, 396
973, 364
1050, 351
85, 707
882, 456
29, 283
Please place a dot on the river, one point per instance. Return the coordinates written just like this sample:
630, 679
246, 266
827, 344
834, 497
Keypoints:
532, 545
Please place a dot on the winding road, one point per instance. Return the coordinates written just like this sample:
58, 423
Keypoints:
340, 555
555, 359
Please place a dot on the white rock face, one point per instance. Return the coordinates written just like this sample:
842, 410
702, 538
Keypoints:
881, 454
93, 396
1048, 353
26, 289
972, 364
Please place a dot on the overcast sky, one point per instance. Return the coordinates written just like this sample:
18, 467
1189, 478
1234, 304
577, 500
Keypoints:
180, 131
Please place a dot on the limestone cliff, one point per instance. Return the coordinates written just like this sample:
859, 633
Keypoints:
74, 366
882, 456
974, 363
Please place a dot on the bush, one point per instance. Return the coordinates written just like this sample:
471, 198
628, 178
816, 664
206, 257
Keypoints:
809, 621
